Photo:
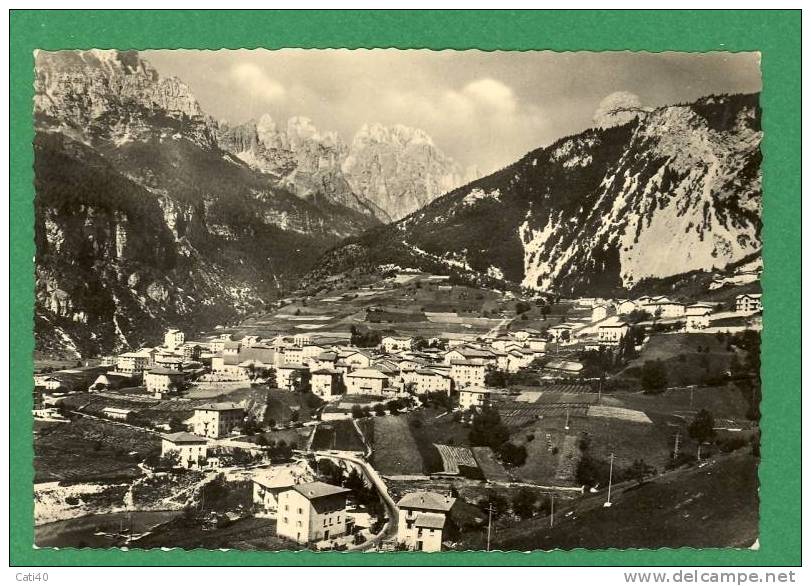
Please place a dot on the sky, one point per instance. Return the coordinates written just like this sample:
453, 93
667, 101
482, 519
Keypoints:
484, 109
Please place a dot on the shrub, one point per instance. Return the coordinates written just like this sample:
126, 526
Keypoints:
513, 455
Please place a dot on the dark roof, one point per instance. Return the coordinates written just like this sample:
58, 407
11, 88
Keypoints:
218, 407
161, 370
183, 437
316, 490
430, 521
427, 501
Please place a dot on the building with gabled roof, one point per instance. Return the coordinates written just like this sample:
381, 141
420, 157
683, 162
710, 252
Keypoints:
423, 520
312, 512
366, 381
190, 448
269, 483
217, 420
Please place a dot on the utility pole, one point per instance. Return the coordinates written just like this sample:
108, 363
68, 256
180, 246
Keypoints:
600, 391
489, 523
676, 445
610, 480
552, 511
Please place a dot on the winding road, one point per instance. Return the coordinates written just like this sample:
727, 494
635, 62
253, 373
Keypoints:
390, 528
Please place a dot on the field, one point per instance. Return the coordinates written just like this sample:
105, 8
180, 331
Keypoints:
395, 450
395, 305
88, 449
338, 435
680, 354
712, 506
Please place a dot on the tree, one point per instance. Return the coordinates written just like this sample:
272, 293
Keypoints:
639, 471
330, 472
487, 429
522, 307
380, 409
654, 376
169, 460
357, 412
176, 424
513, 455
524, 503
495, 378
496, 501
702, 428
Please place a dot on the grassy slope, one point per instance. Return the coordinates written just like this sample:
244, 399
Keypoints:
714, 506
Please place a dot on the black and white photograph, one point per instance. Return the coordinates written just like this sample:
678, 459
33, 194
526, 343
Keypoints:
390, 300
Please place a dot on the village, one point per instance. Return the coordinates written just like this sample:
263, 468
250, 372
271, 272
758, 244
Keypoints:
401, 412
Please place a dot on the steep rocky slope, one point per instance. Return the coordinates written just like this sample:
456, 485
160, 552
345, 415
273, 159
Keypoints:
385, 172
675, 190
142, 220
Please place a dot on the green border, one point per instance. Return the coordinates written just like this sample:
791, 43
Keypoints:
775, 33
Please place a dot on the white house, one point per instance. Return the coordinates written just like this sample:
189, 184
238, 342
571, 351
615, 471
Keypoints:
173, 339
392, 344
431, 381
132, 362
613, 332
626, 306
192, 449
560, 333
476, 397
286, 375
269, 483
217, 420
366, 381
468, 373
748, 302
312, 512
601, 312
696, 323
162, 381
355, 359
301, 339
116, 413
326, 383
699, 309
423, 519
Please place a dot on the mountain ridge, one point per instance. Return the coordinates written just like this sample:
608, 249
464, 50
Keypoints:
587, 214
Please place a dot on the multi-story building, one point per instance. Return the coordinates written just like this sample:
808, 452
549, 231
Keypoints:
392, 344
132, 362
191, 449
431, 381
216, 420
612, 333
366, 381
475, 397
173, 339
287, 375
423, 520
467, 373
312, 512
161, 381
326, 383
748, 302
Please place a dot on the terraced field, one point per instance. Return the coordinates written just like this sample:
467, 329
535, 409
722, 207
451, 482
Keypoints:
395, 450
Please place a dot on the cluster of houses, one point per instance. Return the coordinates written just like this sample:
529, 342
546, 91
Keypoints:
308, 511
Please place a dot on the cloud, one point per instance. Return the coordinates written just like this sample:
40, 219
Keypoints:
485, 114
253, 79
617, 108
491, 93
